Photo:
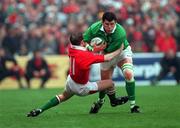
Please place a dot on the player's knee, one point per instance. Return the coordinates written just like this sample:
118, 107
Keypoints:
110, 83
128, 75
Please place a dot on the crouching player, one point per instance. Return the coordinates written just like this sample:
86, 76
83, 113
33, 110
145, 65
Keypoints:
78, 80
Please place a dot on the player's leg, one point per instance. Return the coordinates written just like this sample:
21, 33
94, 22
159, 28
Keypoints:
128, 73
109, 88
103, 85
98, 104
110, 91
106, 85
107, 74
126, 64
51, 103
54, 101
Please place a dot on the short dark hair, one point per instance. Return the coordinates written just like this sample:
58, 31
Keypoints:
76, 38
109, 16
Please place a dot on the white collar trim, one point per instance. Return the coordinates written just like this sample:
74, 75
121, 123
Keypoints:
102, 29
78, 47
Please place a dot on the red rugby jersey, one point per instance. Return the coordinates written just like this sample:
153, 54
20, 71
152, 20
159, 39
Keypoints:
80, 63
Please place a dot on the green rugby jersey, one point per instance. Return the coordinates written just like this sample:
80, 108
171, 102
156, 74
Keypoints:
114, 40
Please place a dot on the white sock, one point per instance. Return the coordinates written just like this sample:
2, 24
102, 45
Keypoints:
132, 103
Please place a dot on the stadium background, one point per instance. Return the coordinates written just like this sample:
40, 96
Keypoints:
27, 25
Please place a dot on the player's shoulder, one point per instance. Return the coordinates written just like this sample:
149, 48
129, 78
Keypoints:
96, 26
120, 29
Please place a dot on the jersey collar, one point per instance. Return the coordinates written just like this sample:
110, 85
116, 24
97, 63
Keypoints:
78, 47
102, 29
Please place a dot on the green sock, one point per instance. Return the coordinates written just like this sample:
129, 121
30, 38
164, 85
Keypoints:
130, 88
102, 94
51, 103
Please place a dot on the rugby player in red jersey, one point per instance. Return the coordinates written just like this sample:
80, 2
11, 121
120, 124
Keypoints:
78, 79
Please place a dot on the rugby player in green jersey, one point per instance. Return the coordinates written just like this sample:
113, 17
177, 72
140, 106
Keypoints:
115, 36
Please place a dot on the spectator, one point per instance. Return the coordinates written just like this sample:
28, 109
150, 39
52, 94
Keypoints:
170, 63
11, 41
164, 42
34, 38
37, 68
48, 44
5, 71
75, 15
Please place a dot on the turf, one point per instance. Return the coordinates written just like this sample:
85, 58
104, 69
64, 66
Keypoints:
160, 108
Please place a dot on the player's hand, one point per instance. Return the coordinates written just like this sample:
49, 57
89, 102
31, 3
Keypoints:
98, 48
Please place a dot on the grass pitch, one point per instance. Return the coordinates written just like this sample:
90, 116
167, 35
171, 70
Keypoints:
160, 108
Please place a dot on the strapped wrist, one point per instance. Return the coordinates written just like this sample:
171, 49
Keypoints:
89, 48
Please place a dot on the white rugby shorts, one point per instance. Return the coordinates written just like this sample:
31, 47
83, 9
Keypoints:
126, 53
80, 89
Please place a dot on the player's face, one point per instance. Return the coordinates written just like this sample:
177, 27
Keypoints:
109, 26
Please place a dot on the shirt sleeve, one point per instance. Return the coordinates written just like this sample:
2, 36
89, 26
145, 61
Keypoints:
95, 58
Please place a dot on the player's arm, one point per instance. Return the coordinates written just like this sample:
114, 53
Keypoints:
87, 36
110, 56
88, 46
94, 48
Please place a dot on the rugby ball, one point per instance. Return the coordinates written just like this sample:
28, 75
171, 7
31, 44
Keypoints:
97, 41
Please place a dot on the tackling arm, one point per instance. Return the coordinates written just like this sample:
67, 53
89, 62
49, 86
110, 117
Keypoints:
95, 48
111, 55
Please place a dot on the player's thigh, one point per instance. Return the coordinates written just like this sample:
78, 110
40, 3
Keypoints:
124, 61
107, 74
105, 84
80, 89
84, 89
125, 57
69, 86
105, 66
90, 88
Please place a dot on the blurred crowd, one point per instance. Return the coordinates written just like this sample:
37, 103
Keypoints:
28, 25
